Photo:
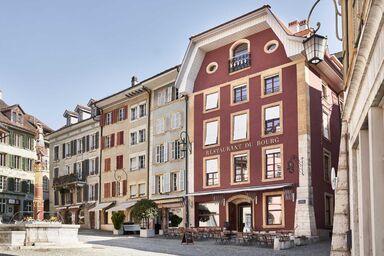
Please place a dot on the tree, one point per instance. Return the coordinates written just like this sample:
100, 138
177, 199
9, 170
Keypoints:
117, 219
143, 211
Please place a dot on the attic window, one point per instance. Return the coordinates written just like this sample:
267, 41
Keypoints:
271, 46
17, 117
212, 67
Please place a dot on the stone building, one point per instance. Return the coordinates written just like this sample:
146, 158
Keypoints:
74, 165
167, 168
264, 127
359, 209
17, 155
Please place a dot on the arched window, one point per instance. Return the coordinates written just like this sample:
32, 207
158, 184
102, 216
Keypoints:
239, 55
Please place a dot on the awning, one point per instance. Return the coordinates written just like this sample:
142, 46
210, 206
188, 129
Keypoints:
76, 206
100, 206
170, 202
121, 206
246, 189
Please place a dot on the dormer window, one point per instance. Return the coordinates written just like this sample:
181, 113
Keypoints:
239, 56
17, 117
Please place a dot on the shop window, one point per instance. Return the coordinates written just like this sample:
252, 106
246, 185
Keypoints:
274, 210
208, 214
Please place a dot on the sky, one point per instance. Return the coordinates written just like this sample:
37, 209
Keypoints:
57, 54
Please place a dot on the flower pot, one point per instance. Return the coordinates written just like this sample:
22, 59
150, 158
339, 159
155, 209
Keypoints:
118, 232
147, 232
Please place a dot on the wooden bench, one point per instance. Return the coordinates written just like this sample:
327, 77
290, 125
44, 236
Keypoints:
134, 228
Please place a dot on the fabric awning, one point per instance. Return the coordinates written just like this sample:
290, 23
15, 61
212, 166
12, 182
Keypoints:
245, 189
100, 206
76, 206
121, 206
61, 208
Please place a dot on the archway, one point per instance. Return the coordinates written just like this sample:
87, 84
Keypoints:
240, 214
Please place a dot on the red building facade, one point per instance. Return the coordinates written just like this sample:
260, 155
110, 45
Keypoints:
264, 126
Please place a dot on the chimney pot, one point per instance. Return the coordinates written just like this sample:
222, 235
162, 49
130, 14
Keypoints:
134, 81
293, 26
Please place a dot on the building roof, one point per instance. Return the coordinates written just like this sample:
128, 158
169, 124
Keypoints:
29, 121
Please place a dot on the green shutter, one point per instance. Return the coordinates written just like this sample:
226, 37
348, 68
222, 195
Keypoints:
11, 184
11, 138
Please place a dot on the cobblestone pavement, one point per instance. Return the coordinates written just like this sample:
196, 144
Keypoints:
105, 244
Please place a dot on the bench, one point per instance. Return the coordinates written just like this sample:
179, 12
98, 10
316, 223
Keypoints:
134, 228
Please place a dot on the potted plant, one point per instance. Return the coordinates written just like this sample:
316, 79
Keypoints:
143, 211
117, 220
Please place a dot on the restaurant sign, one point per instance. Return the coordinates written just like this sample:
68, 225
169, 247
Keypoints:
242, 146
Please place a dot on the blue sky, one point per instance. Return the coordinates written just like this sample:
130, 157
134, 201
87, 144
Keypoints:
56, 54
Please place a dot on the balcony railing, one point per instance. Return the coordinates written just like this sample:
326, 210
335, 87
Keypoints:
67, 179
239, 62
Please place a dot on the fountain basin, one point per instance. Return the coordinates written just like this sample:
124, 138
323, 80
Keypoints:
43, 234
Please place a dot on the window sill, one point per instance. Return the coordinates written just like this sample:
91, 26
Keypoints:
240, 183
211, 146
272, 134
270, 94
273, 226
274, 179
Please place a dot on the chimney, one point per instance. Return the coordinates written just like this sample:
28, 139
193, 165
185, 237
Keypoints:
134, 81
303, 25
1, 95
293, 26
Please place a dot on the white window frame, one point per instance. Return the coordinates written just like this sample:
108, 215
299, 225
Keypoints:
210, 136
211, 101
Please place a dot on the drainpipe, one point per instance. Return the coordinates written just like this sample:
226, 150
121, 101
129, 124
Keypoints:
186, 164
100, 157
148, 134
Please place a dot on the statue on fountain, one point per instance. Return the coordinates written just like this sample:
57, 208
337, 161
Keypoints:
41, 151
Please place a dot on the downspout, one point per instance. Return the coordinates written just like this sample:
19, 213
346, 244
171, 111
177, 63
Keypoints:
186, 163
100, 157
148, 134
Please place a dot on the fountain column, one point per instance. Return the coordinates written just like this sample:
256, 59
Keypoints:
38, 200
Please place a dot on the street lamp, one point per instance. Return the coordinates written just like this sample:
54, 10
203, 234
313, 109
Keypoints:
314, 45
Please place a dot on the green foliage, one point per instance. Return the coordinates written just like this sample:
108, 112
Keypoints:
117, 219
144, 210
175, 220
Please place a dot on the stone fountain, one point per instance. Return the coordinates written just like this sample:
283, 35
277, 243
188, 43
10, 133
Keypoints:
37, 232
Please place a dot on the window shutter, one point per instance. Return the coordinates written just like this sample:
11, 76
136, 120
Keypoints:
102, 142
74, 168
167, 182
181, 180
113, 140
106, 190
74, 152
169, 94
114, 189
97, 165
63, 150
97, 191
166, 152
85, 192
125, 112
83, 146
172, 150
87, 143
153, 184
24, 186
162, 184
97, 140
167, 125
11, 184
124, 187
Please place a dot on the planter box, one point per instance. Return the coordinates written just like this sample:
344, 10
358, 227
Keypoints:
161, 232
147, 233
118, 232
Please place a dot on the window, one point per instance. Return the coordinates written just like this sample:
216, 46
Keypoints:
120, 188
327, 165
271, 46
160, 125
240, 93
211, 101
160, 153
175, 150
239, 56
174, 181
141, 135
208, 214
274, 210
119, 162
3, 137
3, 205
211, 132
79, 146
133, 163
142, 189
133, 138
17, 185
212, 172
328, 210
142, 109
68, 149
108, 118
212, 67
28, 206
271, 84
56, 153
161, 97
93, 141
67, 169
45, 183
92, 192
240, 168
56, 172
133, 191
239, 126
272, 163
272, 120
3, 183
79, 170
3, 160
93, 166
133, 113
107, 164
121, 114
142, 162
326, 125
175, 120
159, 184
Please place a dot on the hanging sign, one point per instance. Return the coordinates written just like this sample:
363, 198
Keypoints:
333, 178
